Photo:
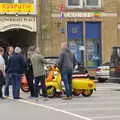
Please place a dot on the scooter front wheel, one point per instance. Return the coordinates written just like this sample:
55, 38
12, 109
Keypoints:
51, 91
25, 87
87, 93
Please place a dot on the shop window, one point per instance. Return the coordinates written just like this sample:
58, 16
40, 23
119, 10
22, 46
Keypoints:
93, 3
74, 30
93, 44
16, 1
75, 3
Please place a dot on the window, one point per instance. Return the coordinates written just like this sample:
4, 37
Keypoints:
93, 3
16, 1
75, 3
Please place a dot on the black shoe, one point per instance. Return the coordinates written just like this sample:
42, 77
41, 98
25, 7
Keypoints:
17, 98
2, 98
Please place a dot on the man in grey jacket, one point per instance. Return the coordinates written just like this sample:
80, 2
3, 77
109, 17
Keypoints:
39, 73
66, 64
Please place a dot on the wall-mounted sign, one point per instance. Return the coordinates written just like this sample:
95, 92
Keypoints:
17, 8
19, 22
85, 14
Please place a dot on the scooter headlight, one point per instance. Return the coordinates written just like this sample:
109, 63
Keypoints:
90, 85
55, 73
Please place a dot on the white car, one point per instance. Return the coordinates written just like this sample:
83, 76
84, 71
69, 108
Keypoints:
103, 72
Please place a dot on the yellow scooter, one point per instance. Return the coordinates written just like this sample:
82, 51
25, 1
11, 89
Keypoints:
81, 83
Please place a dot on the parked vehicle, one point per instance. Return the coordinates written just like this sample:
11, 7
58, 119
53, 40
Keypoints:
115, 65
103, 72
81, 83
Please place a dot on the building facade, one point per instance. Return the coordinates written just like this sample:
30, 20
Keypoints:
18, 23
91, 28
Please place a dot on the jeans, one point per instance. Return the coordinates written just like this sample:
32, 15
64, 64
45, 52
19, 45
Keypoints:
36, 86
16, 83
8, 81
67, 79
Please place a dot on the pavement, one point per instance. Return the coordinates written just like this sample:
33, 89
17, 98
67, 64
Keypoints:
104, 104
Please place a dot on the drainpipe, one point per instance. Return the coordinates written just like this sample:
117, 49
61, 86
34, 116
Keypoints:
38, 23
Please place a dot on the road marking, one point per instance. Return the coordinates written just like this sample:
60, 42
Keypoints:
56, 109
102, 117
82, 103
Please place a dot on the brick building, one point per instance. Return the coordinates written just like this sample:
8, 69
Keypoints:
91, 28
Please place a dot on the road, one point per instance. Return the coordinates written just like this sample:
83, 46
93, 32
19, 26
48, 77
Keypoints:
104, 104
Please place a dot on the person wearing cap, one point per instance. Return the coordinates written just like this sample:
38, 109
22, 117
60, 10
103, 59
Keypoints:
16, 67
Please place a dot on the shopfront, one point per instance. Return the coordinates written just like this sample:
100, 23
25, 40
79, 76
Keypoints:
84, 40
17, 31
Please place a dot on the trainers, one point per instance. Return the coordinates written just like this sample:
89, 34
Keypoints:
6, 97
70, 97
36, 99
67, 98
45, 99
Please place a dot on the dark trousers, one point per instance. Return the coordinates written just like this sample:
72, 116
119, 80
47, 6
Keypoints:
8, 81
1, 95
31, 86
1, 83
67, 78
16, 83
36, 86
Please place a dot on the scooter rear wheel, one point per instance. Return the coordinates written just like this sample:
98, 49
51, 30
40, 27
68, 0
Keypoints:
87, 93
76, 92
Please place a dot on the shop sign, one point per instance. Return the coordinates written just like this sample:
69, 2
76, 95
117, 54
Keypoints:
17, 8
19, 22
85, 14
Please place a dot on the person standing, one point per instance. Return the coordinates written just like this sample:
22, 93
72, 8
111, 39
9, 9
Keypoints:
8, 79
16, 67
29, 73
66, 64
2, 71
39, 73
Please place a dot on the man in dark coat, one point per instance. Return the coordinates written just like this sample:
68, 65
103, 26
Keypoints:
16, 67
8, 80
66, 64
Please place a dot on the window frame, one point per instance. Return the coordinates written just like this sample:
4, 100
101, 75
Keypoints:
75, 6
92, 6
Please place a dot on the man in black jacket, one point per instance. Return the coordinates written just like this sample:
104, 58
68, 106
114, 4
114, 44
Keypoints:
8, 80
16, 67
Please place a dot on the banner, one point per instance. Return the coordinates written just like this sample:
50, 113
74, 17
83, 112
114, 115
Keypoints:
17, 8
